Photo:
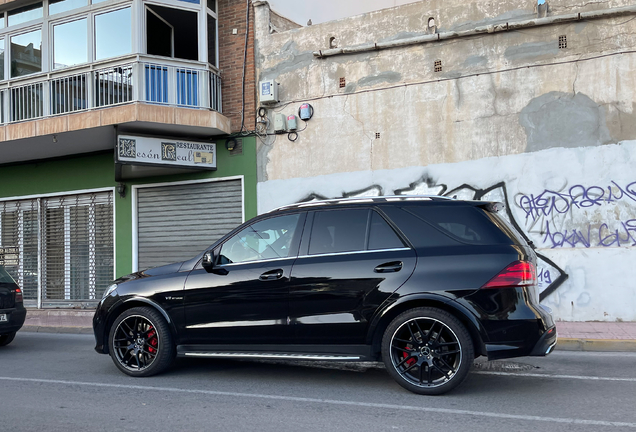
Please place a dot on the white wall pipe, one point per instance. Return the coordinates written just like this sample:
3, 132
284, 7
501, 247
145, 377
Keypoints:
495, 28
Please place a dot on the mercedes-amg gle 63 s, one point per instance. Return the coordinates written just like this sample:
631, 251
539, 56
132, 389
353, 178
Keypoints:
424, 284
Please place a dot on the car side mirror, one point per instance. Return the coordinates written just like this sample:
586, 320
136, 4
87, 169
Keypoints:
208, 264
208, 260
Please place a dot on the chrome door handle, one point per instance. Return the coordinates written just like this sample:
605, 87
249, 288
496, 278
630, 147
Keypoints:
272, 275
389, 267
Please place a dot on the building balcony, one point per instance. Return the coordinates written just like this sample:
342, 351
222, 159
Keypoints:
145, 93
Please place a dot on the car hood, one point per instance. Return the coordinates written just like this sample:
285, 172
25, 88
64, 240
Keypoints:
153, 271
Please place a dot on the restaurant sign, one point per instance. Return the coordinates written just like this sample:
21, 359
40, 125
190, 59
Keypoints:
142, 150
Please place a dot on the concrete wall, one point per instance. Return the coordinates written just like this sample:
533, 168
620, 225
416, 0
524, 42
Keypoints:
511, 116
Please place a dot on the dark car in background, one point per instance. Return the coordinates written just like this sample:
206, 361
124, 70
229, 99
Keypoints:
425, 284
12, 311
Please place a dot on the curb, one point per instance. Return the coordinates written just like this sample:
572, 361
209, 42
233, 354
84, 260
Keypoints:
51, 329
607, 345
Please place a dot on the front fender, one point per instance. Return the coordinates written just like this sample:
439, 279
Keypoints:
151, 303
104, 320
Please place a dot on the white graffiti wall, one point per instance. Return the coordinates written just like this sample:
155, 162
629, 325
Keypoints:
578, 206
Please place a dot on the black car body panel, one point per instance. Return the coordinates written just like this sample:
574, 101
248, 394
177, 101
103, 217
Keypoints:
11, 307
429, 252
158, 287
238, 307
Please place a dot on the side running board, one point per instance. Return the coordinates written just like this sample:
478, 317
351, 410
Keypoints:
284, 356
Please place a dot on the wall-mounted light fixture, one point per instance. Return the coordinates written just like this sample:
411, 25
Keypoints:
54, 138
230, 144
121, 190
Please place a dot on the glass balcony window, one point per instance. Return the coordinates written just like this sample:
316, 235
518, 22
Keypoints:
211, 40
1, 59
25, 13
26, 53
113, 34
70, 46
59, 6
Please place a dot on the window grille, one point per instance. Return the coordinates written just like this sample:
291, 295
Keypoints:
71, 260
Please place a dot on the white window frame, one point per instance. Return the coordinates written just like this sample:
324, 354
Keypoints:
47, 22
146, 10
181, 5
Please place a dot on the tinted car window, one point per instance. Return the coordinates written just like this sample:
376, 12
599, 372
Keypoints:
5, 277
338, 231
463, 223
505, 226
381, 235
266, 239
419, 233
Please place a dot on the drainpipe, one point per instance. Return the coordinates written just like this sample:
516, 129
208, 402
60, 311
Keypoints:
40, 226
496, 28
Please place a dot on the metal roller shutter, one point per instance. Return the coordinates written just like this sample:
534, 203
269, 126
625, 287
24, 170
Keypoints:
174, 223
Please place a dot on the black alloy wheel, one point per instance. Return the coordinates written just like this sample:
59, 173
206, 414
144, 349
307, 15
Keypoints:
6, 339
141, 343
427, 351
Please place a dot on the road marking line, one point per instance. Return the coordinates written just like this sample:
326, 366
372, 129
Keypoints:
534, 375
331, 402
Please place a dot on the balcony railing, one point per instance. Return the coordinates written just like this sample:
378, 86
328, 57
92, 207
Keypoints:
185, 85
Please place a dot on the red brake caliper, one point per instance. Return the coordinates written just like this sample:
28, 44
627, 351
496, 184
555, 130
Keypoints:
410, 361
152, 340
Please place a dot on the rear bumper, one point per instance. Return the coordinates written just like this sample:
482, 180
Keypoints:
15, 320
542, 347
512, 325
546, 343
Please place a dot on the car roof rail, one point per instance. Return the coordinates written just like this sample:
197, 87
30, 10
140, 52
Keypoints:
361, 199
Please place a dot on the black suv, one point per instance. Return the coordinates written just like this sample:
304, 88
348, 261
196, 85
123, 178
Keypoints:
12, 311
425, 284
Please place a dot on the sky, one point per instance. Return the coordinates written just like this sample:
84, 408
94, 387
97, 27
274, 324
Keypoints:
319, 11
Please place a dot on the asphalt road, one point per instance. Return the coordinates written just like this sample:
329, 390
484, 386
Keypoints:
54, 382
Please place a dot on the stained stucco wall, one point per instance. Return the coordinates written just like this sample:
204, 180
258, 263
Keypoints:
511, 116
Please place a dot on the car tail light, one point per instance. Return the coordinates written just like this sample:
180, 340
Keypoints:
18, 295
517, 274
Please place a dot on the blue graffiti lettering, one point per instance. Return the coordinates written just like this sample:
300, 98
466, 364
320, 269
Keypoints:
551, 202
604, 236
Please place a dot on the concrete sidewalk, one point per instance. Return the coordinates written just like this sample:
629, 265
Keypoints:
573, 336
59, 321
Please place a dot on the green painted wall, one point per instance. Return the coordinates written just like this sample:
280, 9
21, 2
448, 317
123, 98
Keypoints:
98, 171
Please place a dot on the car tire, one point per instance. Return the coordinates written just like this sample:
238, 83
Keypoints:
140, 342
427, 351
6, 339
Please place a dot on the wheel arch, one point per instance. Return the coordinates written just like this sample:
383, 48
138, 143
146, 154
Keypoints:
130, 303
382, 321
